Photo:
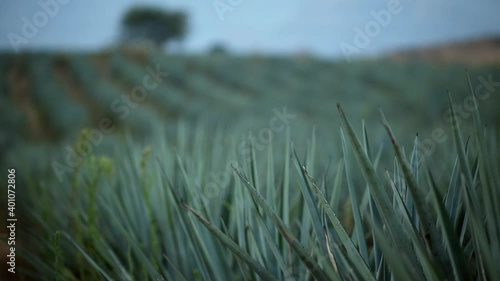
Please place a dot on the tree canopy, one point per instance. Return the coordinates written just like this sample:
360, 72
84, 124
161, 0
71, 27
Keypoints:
154, 25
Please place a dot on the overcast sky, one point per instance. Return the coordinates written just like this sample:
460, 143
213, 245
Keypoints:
321, 27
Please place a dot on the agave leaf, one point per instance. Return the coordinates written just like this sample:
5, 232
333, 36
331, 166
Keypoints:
255, 178
272, 245
415, 159
451, 240
308, 261
345, 239
488, 179
241, 264
366, 142
88, 258
473, 208
201, 255
310, 160
330, 254
484, 259
253, 245
313, 211
454, 194
430, 268
490, 193
270, 193
121, 268
337, 185
401, 268
242, 215
178, 273
377, 254
359, 230
270, 185
285, 199
254, 171
415, 164
252, 263
427, 218
462, 156
381, 197
334, 246
134, 243
494, 162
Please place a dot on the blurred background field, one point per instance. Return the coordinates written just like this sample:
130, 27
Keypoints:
65, 67
49, 97
220, 87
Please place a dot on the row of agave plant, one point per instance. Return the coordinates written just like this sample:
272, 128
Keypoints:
145, 214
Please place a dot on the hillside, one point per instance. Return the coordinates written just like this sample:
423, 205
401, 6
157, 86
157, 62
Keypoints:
48, 98
191, 113
52, 96
484, 51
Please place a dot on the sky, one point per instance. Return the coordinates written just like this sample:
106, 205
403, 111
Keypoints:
327, 28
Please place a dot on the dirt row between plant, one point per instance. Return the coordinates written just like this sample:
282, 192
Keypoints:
102, 65
62, 73
20, 92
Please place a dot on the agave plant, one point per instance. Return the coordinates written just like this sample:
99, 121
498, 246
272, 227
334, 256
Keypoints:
451, 237
151, 215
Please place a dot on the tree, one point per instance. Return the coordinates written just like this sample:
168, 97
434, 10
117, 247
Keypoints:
153, 25
218, 49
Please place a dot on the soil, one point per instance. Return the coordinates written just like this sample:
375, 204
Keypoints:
485, 51
20, 92
62, 72
102, 65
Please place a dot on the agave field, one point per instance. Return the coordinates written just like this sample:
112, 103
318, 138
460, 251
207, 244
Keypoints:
146, 166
